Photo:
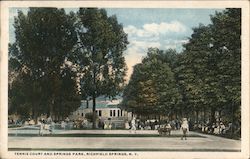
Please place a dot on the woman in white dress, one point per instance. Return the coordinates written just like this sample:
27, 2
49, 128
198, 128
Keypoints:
41, 126
133, 125
184, 128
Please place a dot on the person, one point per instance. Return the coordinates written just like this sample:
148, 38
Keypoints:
63, 125
52, 127
223, 128
168, 128
213, 127
184, 128
31, 122
133, 125
177, 125
110, 126
67, 119
49, 120
26, 123
41, 127
127, 125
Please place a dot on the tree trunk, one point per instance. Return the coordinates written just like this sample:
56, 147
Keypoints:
212, 115
33, 111
176, 114
204, 115
197, 116
181, 113
51, 108
94, 98
185, 112
232, 117
219, 121
87, 103
94, 112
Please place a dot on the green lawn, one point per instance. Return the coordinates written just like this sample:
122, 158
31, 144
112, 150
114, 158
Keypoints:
14, 126
105, 135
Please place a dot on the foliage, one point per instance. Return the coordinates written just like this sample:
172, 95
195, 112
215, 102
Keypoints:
205, 77
152, 87
90, 117
54, 50
99, 54
209, 68
44, 39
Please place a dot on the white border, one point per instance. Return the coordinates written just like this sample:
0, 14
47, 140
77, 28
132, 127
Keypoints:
5, 5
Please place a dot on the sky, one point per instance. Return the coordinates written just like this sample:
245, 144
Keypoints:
164, 28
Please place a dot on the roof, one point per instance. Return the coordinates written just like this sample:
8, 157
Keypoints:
101, 103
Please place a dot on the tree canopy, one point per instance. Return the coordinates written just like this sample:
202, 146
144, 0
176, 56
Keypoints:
44, 39
152, 88
99, 54
54, 51
204, 78
59, 59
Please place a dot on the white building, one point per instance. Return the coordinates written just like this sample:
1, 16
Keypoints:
106, 110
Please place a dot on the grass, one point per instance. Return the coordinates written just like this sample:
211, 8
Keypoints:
228, 136
14, 126
104, 135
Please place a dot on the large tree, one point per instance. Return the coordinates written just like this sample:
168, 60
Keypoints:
226, 28
209, 70
195, 72
44, 39
99, 54
152, 88
207, 73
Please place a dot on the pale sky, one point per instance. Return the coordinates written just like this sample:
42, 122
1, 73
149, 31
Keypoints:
147, 27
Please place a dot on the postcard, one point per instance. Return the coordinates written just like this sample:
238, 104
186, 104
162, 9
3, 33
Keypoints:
124, 79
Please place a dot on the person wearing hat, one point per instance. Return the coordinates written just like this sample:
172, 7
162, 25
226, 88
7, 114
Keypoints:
184, 128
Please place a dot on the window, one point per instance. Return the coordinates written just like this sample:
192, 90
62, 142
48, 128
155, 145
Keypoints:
100, 113
110, 112
118, 113
82, 114
113, 112
121, 112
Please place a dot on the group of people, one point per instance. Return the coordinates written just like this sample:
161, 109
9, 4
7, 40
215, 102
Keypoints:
218, 128
153, 124
47, 125
184, 127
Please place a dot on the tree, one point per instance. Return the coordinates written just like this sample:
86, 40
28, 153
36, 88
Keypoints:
152, 87
44, 39
194, 72
227, 45
68, 98
99, 54
207, 74
209, 68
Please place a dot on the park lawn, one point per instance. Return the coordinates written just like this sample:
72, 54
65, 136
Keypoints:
14, 126
107, 135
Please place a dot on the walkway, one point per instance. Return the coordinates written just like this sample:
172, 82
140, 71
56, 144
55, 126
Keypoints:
205, 143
